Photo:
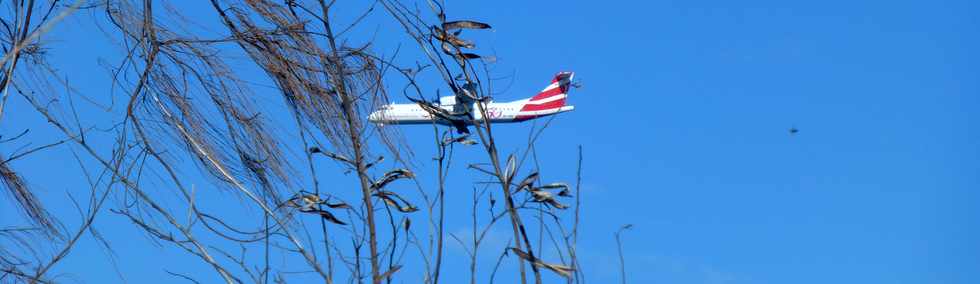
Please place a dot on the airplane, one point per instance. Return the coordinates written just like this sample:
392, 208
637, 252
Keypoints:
460, 110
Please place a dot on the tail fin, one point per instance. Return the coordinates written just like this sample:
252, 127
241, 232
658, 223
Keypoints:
553, 96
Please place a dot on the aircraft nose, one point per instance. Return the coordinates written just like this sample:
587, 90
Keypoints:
374, 117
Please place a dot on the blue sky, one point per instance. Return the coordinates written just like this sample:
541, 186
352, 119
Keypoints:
683, 116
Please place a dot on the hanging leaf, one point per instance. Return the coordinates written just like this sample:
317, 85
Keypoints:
390, 177
562, 270
527, 182
303, 201
339, 205
463, 139
448, 50
556, 185
449, 38
326, 215
510, 169
464, 25
337, 157
547, 198
394, 200
311, 199
468, 55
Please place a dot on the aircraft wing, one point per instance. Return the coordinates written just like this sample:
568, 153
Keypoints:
465, 97
440, 113
468, 94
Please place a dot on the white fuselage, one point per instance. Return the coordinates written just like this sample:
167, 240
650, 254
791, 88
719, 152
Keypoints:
495, 112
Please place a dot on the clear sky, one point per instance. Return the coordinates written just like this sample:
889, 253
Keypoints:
683, 116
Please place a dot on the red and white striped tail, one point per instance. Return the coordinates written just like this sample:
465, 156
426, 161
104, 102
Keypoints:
552, 97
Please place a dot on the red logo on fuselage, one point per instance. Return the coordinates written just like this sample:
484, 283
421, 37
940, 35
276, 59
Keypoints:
494, 113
